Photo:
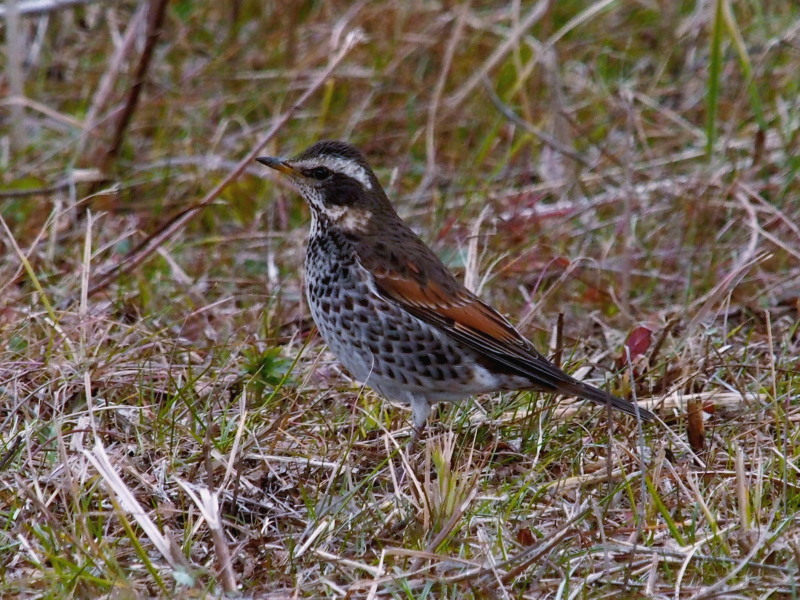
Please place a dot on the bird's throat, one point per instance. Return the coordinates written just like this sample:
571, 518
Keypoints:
345, 218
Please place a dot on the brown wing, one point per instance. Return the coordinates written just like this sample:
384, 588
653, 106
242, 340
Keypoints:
408, 273
474, 323
471, 321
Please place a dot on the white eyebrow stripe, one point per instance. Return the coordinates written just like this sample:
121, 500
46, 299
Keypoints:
338, 165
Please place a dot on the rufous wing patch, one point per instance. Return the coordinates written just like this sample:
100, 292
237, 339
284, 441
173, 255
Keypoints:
477, 316
463, 311
412, 292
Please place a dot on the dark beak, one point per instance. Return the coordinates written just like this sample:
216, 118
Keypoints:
278, 164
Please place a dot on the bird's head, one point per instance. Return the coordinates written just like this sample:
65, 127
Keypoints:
336, 181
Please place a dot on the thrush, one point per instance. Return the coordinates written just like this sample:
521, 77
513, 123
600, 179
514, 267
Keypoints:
392, 313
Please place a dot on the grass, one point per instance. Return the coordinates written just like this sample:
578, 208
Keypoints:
180, 431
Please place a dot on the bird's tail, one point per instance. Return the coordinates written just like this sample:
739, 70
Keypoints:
589, 392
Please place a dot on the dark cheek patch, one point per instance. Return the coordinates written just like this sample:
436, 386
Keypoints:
343, 191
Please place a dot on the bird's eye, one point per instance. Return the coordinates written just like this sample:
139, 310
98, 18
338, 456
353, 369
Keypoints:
320, 173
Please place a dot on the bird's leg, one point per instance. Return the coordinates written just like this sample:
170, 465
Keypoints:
415, 438
422, 410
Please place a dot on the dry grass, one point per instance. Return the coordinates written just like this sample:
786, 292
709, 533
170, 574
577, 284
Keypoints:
180, 431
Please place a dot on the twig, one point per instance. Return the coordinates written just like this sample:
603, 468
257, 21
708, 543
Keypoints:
651, 361
155, 18
176, 223
40, 7
14, 70
106, 85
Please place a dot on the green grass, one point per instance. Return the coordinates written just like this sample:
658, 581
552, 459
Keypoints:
652, 183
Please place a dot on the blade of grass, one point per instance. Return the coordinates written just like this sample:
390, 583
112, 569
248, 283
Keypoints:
664, 511
714, 72
15, 74
745, 63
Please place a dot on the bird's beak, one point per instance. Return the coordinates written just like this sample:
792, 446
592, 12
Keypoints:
278, 164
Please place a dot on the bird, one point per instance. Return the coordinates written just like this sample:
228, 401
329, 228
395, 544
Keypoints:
392, 313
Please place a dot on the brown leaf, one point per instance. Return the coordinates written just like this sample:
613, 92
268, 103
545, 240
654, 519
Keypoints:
695, 428
525, 537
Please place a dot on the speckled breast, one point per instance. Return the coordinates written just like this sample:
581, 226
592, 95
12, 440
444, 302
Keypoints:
378, 342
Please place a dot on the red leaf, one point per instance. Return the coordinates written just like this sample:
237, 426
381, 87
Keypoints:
525, 537
638, 343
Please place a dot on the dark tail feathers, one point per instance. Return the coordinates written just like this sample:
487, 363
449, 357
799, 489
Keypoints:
588, 392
